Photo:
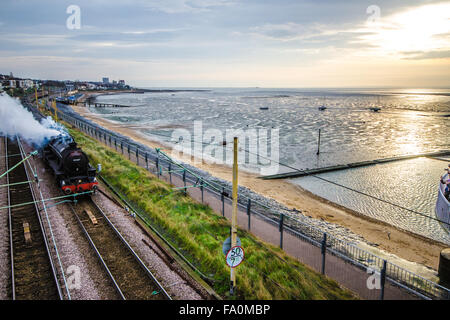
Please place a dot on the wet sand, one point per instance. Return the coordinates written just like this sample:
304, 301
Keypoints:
388, 239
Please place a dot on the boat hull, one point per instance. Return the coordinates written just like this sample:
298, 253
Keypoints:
442, 209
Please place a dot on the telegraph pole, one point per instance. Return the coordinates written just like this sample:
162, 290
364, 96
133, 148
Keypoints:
56, 110
35, 94
234, 212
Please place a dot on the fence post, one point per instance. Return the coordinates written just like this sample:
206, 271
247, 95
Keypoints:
121, 146
170, 172
280, 227
383, 279
146, 160
184, 181
115, 144
201, 187
222, 196
129, 155
324, 251
157, 162
137, 156
249, 205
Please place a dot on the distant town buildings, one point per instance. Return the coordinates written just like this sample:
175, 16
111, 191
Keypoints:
9, 82
114, 84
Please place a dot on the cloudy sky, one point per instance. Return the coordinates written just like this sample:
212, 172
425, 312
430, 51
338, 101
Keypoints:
230, 43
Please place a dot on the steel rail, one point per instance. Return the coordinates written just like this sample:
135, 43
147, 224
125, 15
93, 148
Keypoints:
99, 256
11, 249
48, 220
125, 244
44, 232
44, 235
141, 263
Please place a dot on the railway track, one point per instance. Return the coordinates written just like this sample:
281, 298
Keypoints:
33, 274
129, 275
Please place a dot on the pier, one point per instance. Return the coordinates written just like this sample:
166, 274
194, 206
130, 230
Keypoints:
307, 172
107, 105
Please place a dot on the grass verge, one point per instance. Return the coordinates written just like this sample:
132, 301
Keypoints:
266, 273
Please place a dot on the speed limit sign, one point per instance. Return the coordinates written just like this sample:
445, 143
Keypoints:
235, 256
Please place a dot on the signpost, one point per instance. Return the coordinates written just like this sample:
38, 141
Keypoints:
235, 257
231, 247
234, 217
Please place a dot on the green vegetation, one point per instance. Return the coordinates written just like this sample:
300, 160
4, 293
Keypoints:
19, 92
267, 272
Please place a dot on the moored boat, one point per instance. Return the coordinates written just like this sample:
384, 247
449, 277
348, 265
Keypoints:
442, 209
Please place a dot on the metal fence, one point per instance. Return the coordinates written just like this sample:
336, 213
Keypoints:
366, 274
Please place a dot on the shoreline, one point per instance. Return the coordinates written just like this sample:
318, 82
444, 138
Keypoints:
94, 94
378, 237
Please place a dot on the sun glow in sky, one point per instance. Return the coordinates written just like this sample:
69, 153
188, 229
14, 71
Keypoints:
411, 32
231, 43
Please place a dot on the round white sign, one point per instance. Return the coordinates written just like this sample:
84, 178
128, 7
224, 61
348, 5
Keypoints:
235, 256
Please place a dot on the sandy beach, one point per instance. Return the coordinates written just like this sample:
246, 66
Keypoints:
387, 240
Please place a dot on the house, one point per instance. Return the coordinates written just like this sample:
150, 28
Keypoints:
28, 83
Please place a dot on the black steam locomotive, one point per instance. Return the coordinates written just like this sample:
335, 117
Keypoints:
70, 165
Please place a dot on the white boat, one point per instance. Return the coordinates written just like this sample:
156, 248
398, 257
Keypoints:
442, 209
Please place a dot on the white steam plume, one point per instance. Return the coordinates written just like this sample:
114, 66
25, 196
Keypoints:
15, 120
